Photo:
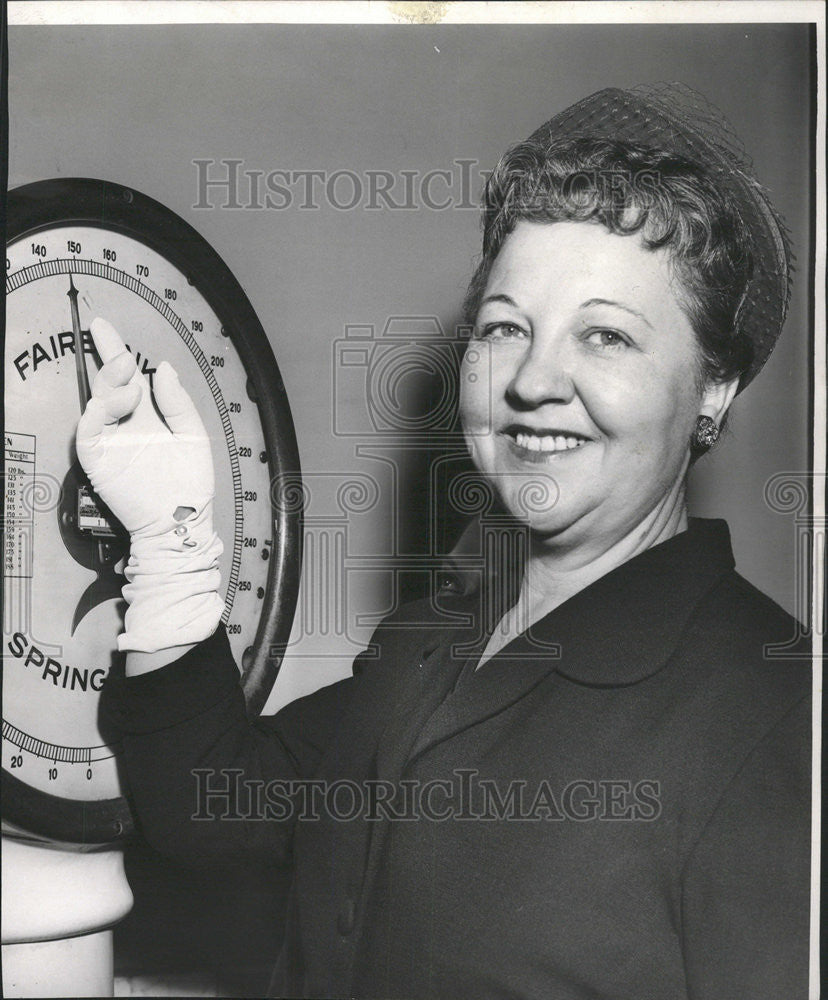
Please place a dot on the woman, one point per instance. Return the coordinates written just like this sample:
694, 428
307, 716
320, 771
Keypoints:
606, 795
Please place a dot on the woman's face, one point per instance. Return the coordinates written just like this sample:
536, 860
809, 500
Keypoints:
580, 392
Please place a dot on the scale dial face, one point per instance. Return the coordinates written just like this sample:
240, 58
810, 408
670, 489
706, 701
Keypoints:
170, 298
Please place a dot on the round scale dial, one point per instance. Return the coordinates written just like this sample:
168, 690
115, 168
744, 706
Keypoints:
80, 249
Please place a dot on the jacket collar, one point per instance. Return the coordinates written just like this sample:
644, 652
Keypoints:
618, 631
621, 628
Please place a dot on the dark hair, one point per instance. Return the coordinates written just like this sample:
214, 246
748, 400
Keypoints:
672, 201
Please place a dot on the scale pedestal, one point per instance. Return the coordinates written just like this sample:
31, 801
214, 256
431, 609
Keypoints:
59, 906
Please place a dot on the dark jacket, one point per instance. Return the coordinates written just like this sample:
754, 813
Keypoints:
616, 806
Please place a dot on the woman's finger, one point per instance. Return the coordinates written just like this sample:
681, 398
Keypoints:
89, 435
114, 373
104, 412
100, 419
121, 401
175, 404
107, 340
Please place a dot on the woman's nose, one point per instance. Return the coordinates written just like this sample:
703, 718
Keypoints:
543, 376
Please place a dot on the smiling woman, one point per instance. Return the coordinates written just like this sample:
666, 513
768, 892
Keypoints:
624, 762
586, 367
620, 304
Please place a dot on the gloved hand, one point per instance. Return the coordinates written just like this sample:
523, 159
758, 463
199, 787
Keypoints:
156, 476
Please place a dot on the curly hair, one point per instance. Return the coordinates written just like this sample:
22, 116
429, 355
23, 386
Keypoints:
671, 201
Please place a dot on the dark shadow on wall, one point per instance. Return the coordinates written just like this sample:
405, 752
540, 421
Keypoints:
432, 455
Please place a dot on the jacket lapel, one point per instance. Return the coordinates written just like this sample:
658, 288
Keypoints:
618, 631
425, 681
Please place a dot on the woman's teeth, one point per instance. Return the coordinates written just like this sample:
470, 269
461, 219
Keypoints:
547, 442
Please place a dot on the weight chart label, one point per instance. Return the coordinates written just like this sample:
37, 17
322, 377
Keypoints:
19, 513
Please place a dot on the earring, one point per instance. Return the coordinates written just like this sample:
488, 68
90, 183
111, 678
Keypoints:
705, 433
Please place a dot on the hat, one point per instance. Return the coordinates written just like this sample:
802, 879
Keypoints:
675, 118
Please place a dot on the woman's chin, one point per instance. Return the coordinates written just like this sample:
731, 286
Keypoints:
552, 527
537, 505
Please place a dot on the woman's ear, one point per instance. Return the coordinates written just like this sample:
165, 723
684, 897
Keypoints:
716, 399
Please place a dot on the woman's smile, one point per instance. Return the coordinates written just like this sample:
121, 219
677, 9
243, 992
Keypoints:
543, 445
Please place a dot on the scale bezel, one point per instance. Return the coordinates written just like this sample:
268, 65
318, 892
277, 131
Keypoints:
84, 201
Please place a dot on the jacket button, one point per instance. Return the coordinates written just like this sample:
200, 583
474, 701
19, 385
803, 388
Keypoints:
345, 920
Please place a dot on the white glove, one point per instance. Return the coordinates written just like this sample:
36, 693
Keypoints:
156, 476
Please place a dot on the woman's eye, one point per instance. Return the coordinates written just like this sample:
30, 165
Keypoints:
500, 331
607, 338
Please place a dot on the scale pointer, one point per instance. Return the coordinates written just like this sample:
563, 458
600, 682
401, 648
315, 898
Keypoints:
84, 391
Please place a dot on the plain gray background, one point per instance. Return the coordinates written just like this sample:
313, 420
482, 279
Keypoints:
137, 105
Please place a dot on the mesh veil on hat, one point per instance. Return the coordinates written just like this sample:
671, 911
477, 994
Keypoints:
674, 118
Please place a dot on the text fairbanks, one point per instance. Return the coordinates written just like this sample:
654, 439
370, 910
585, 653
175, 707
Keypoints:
227, 794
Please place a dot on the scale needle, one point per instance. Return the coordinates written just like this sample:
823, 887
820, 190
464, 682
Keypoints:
80, 364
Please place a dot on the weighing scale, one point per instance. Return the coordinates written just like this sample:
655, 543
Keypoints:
80, 248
